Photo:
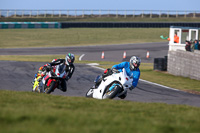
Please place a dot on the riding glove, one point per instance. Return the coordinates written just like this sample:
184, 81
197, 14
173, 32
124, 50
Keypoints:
114, 70
47, 68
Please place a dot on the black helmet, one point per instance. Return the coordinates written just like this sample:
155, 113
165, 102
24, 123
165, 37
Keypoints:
69, 59
134, 62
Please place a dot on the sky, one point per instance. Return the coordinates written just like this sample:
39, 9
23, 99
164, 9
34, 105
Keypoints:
102, 4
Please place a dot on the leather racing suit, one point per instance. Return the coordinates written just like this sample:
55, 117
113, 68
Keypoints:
135, 74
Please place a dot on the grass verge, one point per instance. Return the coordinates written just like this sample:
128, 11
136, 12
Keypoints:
147, 72
16, 38
28, 112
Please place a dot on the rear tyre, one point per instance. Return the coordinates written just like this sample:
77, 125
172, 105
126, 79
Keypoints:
89, 93
50, 88
112, 94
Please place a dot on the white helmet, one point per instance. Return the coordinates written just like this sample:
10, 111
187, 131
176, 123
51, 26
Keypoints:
134, 62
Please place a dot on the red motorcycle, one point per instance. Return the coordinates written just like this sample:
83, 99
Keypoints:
51, 80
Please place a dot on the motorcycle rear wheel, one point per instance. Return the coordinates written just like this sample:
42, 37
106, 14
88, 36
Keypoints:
50, 88
112, 94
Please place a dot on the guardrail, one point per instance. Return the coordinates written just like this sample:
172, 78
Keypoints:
18, 25
29, 25
126, 24
11, 13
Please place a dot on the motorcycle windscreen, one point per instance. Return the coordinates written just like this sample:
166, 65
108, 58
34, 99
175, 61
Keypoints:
61, 68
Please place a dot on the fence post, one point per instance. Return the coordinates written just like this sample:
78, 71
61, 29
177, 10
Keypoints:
52, 14
108, 13
91, 13
151, 14
75, 13
7, 13
99, 13
159, 14
45, 14
67, 13
168, 14
59, 14
37, 13
142, 14
194, 15
15, 14
116, 13
176, 14
83, 14
22, 14
30, 14
133, 14
0, 13
185, 14
125, 14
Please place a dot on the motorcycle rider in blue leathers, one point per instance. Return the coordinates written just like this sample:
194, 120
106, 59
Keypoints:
132, 70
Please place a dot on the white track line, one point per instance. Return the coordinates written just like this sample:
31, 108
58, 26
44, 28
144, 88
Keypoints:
97, 67
141, 80
81, 57
158, 85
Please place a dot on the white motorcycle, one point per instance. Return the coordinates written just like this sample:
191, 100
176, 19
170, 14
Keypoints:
111, 86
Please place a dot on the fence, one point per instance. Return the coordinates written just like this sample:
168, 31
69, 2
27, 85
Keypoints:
10, 13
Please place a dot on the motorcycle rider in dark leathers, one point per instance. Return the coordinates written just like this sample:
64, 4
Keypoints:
68, 61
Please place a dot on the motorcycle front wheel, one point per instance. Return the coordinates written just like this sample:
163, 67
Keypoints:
50, 88
112, 94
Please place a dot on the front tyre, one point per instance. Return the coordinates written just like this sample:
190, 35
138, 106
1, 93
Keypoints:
89, 93
50, 88
112, 94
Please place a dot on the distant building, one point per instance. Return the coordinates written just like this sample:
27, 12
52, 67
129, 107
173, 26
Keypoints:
184, 33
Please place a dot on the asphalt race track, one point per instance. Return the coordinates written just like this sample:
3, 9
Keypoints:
18, 75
